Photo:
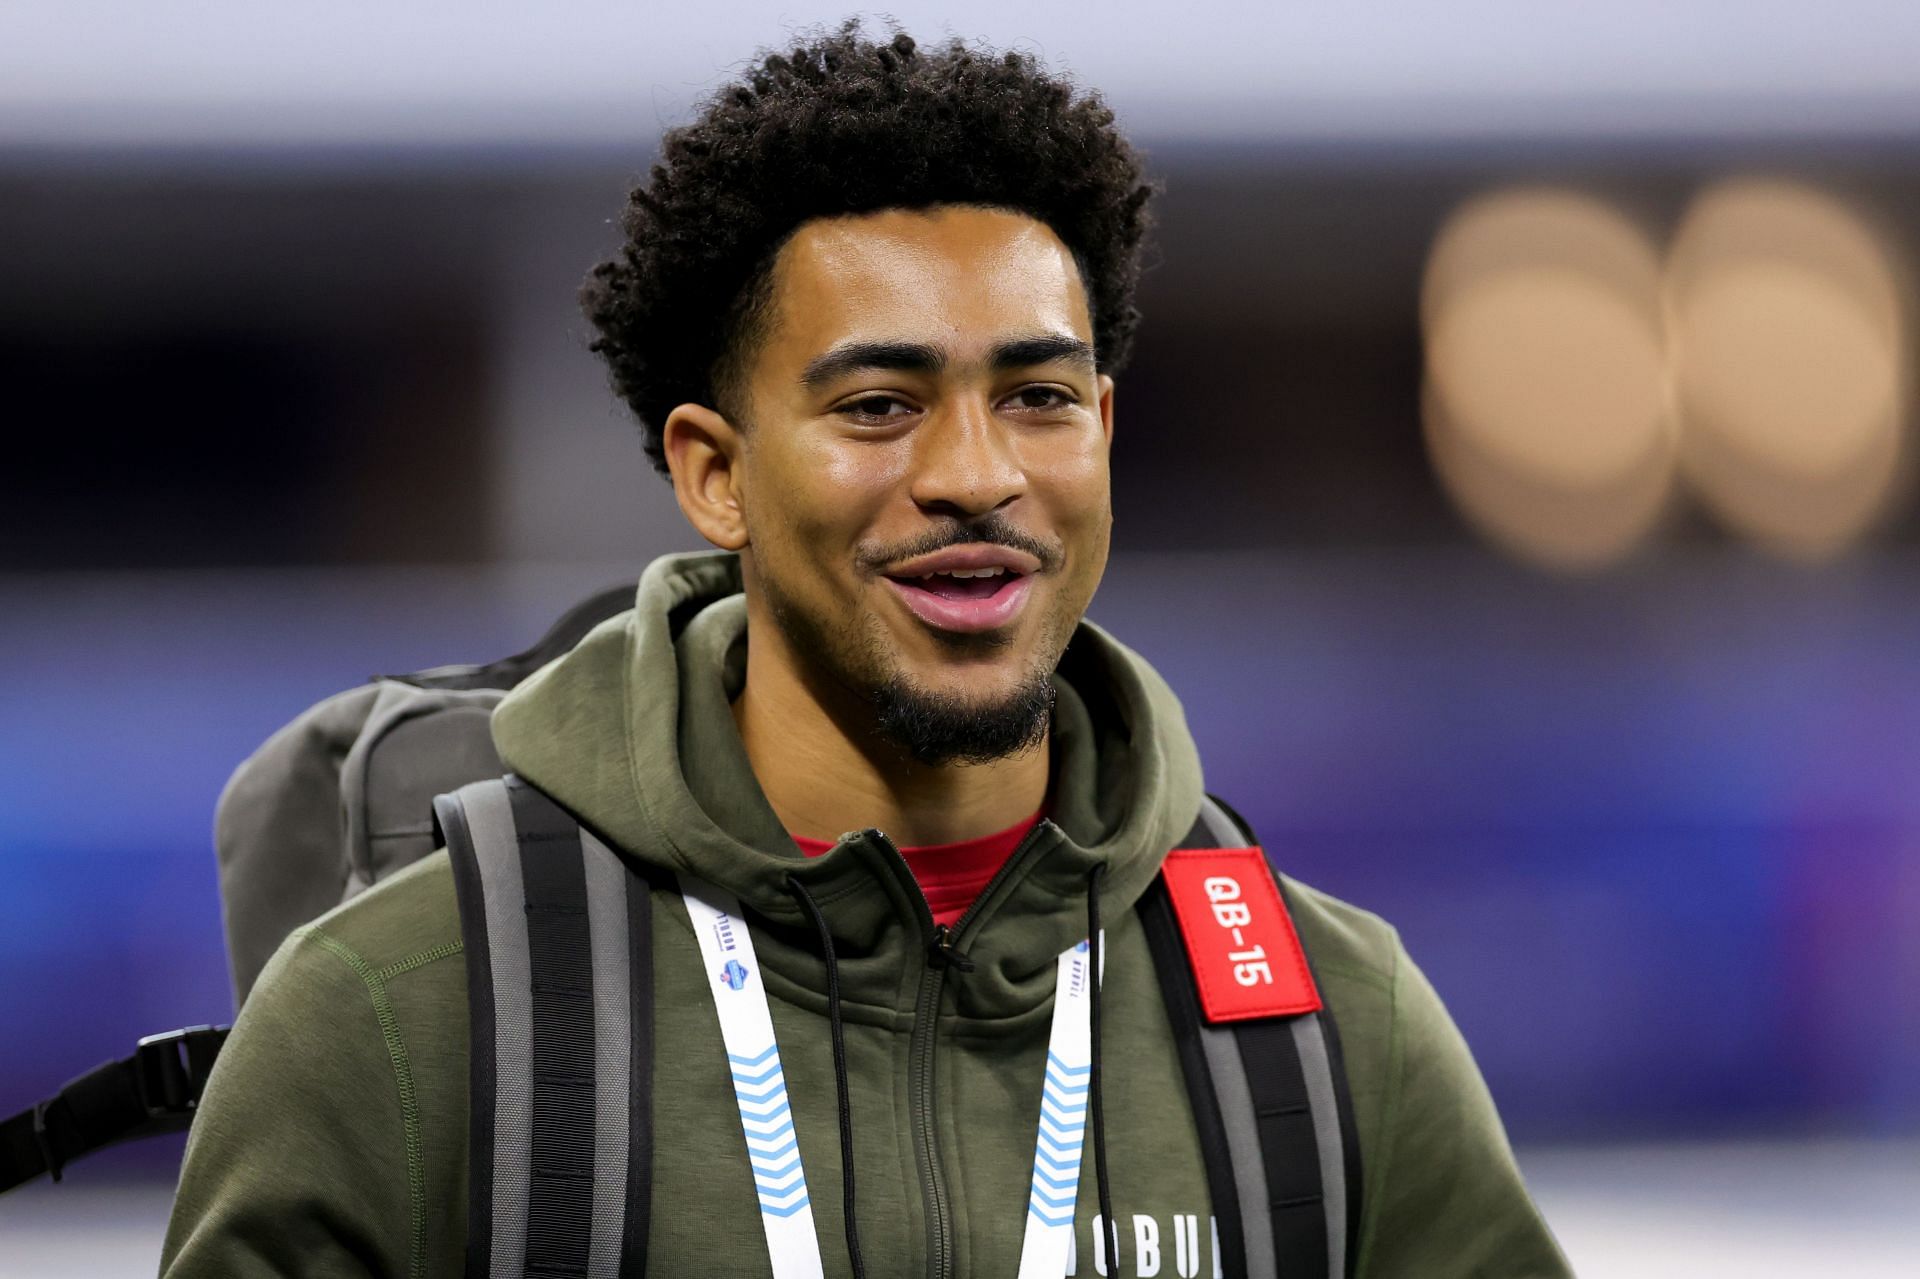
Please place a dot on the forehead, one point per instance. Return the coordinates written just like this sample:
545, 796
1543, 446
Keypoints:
955, 276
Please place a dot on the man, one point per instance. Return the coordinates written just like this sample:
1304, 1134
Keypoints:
868, 313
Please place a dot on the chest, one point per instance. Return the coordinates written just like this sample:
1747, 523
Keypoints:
946, 1125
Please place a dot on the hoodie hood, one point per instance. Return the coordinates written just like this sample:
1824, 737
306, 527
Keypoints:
633, 733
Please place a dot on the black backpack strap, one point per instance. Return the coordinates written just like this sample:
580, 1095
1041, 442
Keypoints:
1271, 1104
152, 1092
559, 960
1195, 1041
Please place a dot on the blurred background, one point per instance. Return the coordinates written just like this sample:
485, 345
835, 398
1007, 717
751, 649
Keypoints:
1514, 479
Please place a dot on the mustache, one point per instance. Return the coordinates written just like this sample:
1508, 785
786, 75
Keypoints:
992, 529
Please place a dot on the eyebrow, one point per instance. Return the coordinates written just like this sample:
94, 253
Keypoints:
921, 357
1048, 348
906, 357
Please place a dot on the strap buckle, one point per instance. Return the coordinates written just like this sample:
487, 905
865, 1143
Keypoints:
43, 1141
170, 1069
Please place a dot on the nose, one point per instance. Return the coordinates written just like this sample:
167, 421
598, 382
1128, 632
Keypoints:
966, 462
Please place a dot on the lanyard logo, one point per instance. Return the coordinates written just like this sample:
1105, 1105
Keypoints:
734, 974
1076, 984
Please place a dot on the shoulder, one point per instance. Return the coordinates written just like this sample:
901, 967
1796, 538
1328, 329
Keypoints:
1385, 1006
1386, 1011
372, 992
331, 1138
1443, 1195
412, 918
362, 989
1348, 945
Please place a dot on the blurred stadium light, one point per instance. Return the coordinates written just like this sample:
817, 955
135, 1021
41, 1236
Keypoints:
1561, 358
1792, 361
1545, 403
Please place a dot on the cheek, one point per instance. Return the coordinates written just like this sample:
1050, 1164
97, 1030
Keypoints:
849, 474
839, 492
1073, 474
1080, 498
811, 502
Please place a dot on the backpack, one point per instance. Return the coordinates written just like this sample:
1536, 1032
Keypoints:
342, 797
375, 778
335, 801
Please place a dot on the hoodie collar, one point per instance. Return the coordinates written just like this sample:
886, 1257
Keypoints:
632, 731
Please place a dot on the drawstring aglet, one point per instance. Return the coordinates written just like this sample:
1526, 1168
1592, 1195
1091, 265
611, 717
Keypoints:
943, 952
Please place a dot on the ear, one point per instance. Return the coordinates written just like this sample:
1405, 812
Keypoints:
704, 452
1106, 407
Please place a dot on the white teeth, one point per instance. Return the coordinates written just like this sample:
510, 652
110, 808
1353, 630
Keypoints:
965, 572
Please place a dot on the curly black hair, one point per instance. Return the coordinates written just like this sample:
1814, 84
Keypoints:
845, 125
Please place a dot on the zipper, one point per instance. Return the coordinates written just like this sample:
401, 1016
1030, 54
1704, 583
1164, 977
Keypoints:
940, 956
933, 1185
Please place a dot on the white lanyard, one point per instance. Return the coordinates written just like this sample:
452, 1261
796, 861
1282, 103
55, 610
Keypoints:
766, 1117
1063, 1121
759, 1085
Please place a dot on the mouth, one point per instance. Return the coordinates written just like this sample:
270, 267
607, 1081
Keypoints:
963, 599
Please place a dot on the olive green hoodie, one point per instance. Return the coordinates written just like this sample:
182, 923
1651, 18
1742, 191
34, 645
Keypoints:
333, 1136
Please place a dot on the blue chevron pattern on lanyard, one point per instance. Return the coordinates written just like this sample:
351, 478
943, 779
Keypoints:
759, 1080
766, 1111
1066, 1089
1056, 1152
766, 1116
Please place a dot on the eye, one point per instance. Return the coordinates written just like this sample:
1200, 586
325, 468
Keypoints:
874, 409
1040, 399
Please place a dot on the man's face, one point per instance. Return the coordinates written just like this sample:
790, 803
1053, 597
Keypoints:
923, 477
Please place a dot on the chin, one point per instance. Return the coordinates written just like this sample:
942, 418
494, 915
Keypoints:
947, 721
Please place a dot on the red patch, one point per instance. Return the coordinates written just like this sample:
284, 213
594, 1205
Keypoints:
1246, 958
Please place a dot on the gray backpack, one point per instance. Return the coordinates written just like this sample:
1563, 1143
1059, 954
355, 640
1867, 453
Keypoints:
342, 797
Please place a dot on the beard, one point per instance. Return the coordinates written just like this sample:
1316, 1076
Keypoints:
940, 728
929, 726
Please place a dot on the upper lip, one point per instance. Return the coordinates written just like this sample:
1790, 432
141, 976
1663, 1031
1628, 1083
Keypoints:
972, 555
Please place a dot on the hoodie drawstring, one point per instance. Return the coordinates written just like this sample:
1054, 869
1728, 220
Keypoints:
1096, 948
847, 1212
1096, 953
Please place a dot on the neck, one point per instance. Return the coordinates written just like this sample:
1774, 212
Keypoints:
825, 774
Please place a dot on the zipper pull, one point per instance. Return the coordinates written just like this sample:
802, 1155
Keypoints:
942, 951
